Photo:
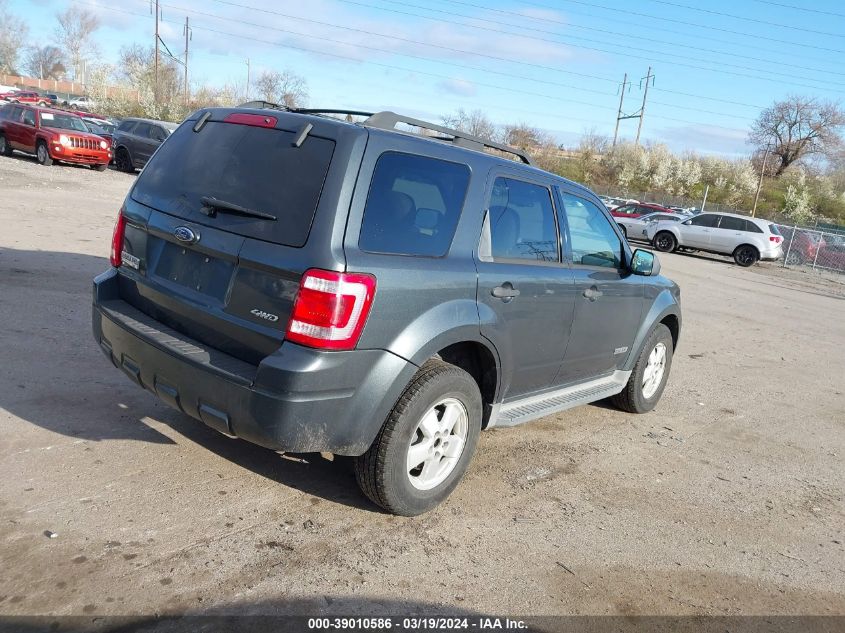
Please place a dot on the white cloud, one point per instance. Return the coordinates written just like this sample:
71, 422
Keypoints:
460, 87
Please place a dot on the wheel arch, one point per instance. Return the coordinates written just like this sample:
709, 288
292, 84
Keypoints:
480, 362
664, 310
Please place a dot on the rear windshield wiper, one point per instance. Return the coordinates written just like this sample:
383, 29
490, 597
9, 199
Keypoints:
213, 205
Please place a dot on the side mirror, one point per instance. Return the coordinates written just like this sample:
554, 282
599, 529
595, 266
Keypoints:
688, 222
645, 263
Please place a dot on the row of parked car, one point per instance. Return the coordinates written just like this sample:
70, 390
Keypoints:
58, 135
746, 239
9, 94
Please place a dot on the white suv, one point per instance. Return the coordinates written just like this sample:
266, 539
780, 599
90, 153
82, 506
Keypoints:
746, 239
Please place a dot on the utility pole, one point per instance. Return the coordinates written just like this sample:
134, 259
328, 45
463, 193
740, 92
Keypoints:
649, 78
187, 37
760, 181
155, 84
619, 116
247, 79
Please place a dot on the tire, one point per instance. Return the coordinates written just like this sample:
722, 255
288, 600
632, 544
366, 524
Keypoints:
665, 242
383, 472
102, 167
746, 255
123, 161
5, 148
635, 398
42, 154
794, 259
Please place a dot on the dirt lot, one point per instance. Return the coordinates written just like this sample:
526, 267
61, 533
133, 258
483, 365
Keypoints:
728, 499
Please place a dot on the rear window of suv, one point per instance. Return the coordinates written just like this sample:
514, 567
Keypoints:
252, 167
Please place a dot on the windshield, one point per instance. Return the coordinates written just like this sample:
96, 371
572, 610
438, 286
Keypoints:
62, 122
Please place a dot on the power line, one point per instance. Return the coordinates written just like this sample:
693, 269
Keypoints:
792, 6
628, 35
592, 48
454, 64
589, 39
695, 24
324, 53
739, 17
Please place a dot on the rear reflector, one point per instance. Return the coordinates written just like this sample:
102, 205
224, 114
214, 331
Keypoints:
117, 240
331, 309
258, 120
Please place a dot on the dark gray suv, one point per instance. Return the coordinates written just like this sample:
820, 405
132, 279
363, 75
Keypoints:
135, 140
310, 284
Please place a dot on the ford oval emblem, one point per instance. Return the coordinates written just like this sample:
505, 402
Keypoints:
184, 234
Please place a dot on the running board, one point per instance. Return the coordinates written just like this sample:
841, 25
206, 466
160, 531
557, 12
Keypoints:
533, 407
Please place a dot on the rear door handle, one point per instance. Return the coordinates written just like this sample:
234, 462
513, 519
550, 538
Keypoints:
593, 293
505, 292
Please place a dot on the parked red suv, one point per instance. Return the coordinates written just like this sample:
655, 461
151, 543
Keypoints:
52, 135
636, 210
26, 96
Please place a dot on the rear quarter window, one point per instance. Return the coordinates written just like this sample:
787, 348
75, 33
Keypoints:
413, 205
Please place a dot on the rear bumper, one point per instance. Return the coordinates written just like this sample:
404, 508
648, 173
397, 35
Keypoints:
771, 254
297, 399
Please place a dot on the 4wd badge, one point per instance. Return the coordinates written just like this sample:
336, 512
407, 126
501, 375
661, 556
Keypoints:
264, 315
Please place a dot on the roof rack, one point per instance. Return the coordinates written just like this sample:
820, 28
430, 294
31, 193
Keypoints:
387, 120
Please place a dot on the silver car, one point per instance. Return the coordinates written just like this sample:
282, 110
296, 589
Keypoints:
746, 239
635, 228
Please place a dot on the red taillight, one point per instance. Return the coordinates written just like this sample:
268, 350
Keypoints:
117, 240
331, 309
777, 239
259, 120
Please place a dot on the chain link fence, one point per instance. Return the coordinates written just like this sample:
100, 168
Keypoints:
816, 249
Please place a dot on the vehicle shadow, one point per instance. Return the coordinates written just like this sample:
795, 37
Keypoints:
54, 376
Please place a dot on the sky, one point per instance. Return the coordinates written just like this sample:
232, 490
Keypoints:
557, 65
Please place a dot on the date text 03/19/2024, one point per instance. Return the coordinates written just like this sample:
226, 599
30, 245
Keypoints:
416, 623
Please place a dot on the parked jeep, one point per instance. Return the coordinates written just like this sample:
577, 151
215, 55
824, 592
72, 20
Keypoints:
52, 135
135, 140
310, 284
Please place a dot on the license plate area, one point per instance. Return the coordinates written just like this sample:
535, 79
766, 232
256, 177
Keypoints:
197, 271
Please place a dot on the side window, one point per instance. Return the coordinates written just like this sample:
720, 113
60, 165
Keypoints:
626, 209
29, 117
594, 242
158, 134
522, 221
413, 205
16, 114
705, 220
730, 223
753, 228
143, 130
126, 126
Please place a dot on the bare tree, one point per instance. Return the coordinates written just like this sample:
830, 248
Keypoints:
473, 122
47, 62
797, 128
524, 136
13, 32
75, 34
285, 87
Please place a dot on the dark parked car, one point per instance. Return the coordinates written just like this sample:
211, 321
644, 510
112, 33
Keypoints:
135, 140
309, 284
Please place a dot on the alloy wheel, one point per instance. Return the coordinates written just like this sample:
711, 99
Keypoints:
654, 370
437, 444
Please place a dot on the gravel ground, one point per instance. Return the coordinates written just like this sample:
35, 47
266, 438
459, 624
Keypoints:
727, 499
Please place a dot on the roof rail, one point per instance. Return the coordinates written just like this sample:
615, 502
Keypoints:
325, 111
388, 120
263, 105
